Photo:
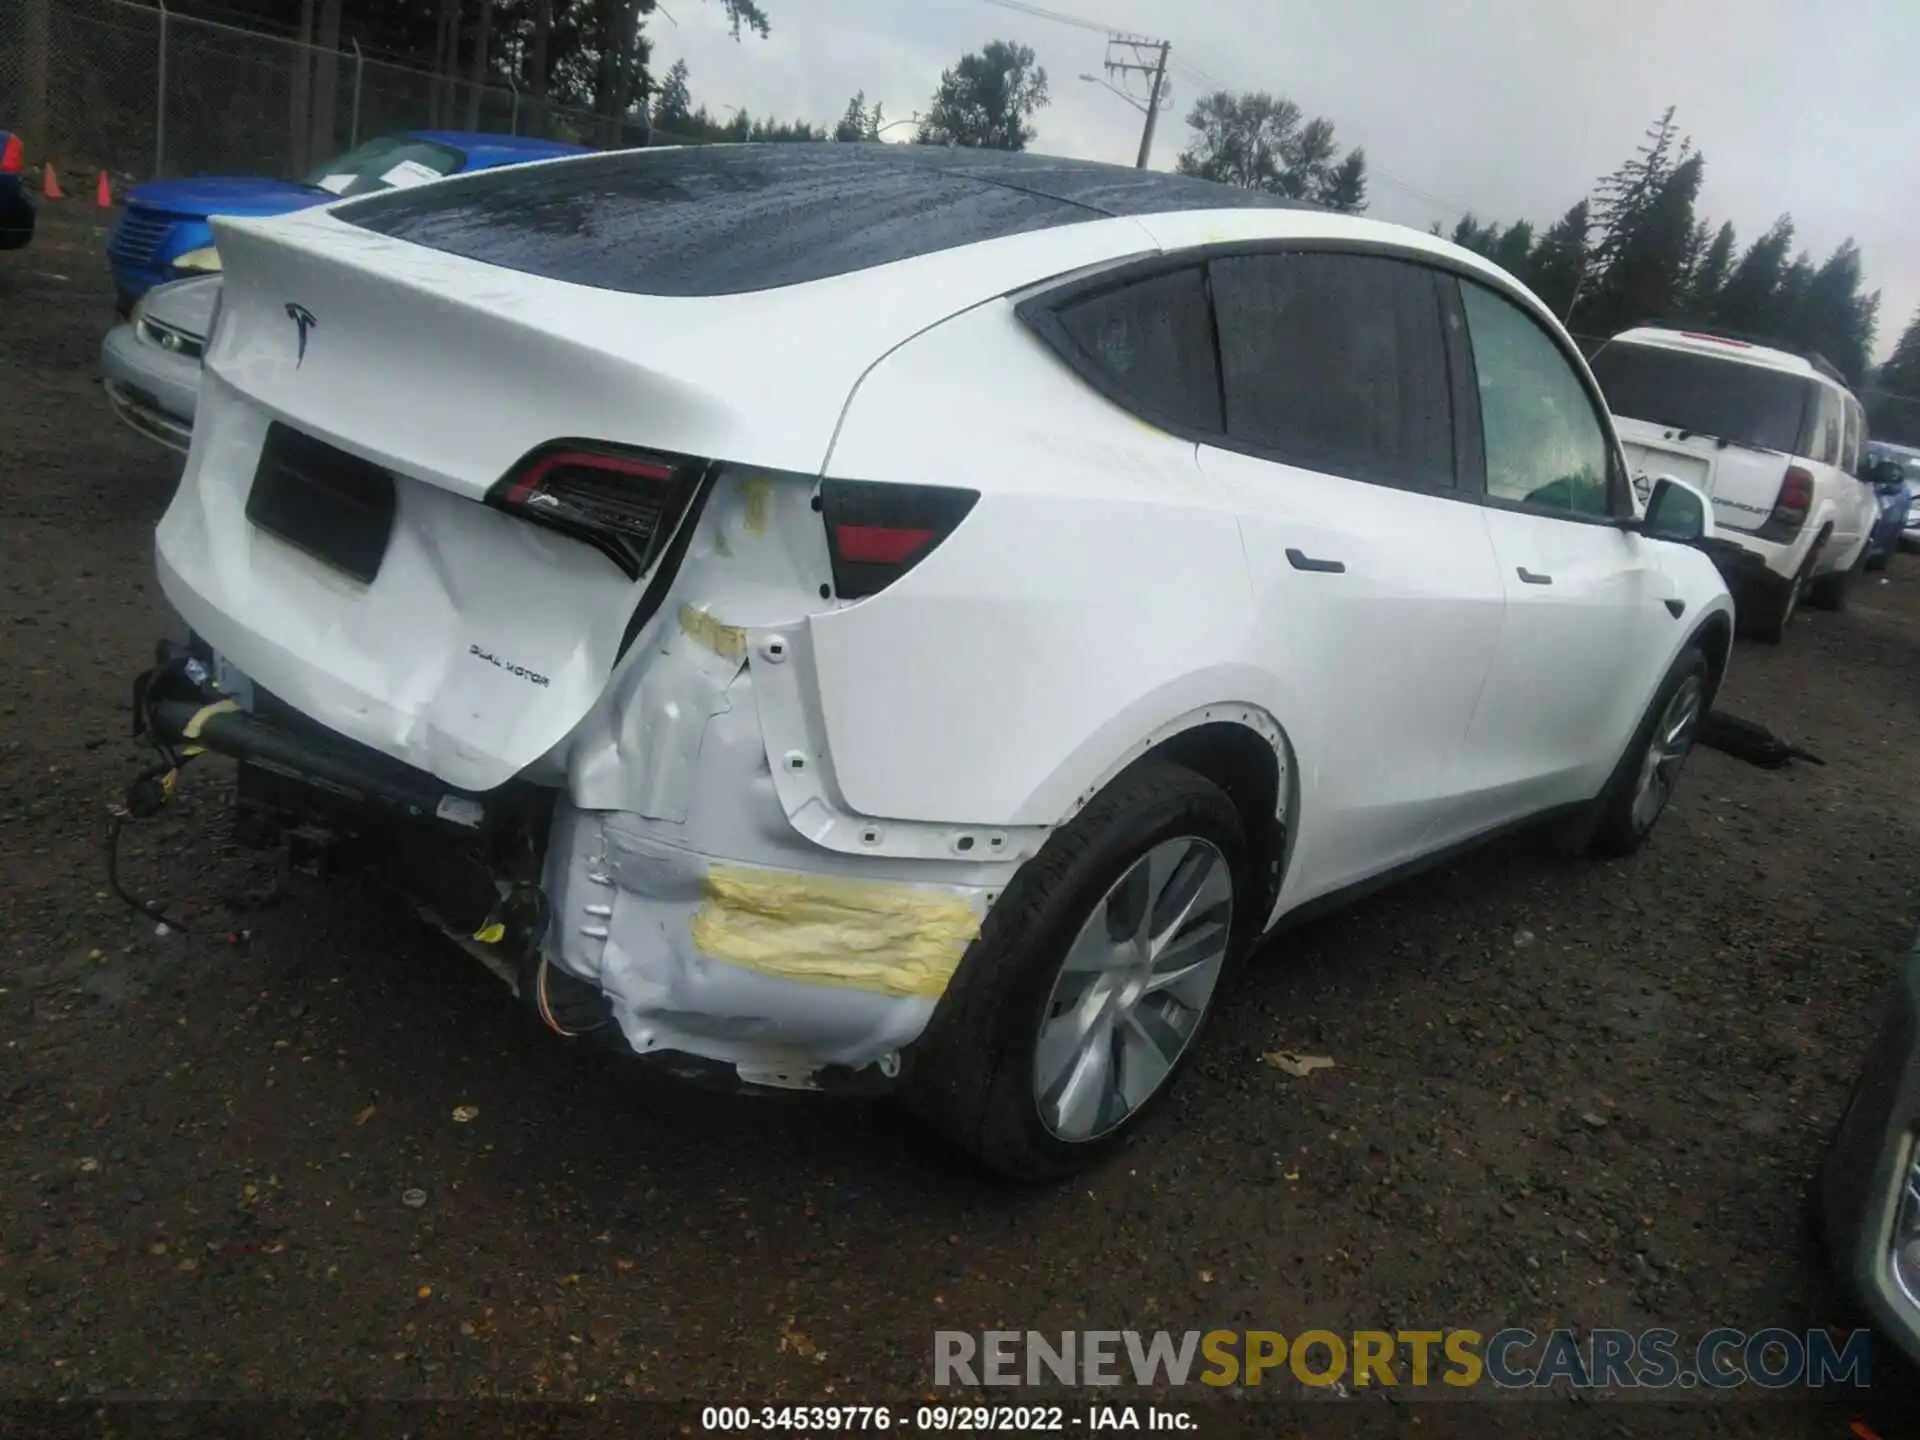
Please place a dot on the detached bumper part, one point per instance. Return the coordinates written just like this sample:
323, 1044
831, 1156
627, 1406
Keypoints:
340, 768
761, 975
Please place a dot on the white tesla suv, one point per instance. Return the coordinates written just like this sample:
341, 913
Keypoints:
872, 616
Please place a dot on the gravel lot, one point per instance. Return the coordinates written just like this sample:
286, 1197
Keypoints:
1563, 1093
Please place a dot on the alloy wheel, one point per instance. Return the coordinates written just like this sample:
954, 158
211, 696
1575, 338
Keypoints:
1133, 988
1667, 750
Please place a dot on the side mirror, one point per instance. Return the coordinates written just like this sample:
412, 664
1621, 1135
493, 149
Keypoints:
1676, 511
1883, 473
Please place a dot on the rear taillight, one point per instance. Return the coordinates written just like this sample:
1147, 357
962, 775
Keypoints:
623, 503
1796, 499
12, 156
877, 532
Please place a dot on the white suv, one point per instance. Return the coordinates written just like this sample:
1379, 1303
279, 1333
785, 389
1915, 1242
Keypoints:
880, 616
1776, 439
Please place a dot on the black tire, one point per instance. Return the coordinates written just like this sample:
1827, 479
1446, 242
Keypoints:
973, 1076
1621, 829
1768, 619
1829, 592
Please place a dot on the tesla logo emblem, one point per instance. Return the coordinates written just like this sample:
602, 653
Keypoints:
303, 324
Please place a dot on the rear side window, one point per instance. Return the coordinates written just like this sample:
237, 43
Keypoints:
1826, 427
1150, 345
1545, 444
1856, 432
1336, 363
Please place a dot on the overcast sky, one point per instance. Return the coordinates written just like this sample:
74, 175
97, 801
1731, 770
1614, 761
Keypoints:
1509, 108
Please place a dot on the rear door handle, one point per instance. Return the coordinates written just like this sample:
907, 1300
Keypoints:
1527, 577
1300, 560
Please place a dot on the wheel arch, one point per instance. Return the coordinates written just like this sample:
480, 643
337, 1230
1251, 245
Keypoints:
1714, 635
1246, 751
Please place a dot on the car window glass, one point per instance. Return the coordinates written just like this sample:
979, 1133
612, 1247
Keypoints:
1704, 394
391, 162
1856, 423
1152, 341
1824, 427
1336, 363
1545, 445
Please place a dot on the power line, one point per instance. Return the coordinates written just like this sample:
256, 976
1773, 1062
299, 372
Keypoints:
1040, 12
1450, 206
1194, 72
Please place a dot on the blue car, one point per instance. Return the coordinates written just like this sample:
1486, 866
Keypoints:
16, 209
1899, 519
164, 233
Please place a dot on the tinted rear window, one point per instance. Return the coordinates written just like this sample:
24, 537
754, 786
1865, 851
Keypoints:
726, 219
1745, 404
1152, 344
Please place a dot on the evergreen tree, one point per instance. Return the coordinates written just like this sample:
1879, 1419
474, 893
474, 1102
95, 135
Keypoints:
860, 122
1829, 314
1512, 250
673, 102
1559, 262
1746, 301
1697, 241
1645, 270
1781, 314
1893, 409
1622, 199
1710, 275
1470, 234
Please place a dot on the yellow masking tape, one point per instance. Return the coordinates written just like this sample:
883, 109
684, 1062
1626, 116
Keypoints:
206, 713
855, 934
703, 629
759, 497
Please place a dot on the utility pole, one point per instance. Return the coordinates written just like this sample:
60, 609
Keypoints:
1134, 55
1153, 105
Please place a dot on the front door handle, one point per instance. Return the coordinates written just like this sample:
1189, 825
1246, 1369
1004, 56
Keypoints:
1300, 560
1527, 577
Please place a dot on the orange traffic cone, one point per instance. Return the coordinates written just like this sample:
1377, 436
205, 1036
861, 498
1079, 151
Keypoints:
50, 185
103, 193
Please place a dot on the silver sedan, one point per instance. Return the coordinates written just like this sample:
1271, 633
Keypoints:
152, 362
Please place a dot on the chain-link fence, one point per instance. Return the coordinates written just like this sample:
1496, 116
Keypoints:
126, 86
